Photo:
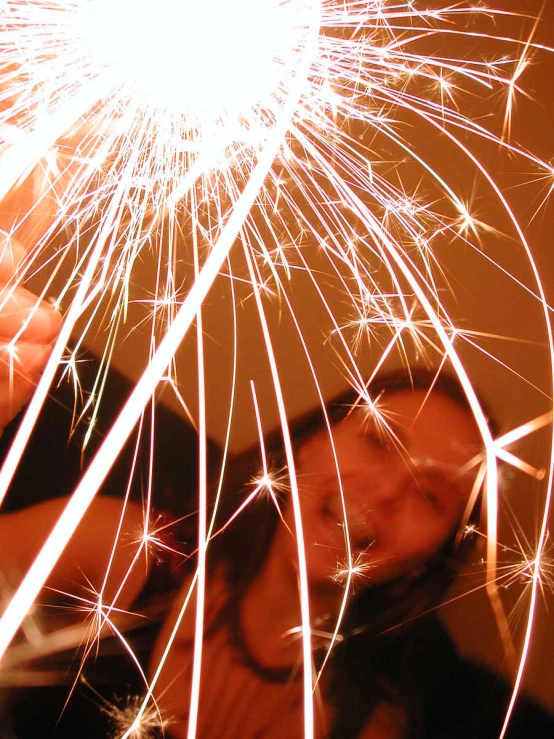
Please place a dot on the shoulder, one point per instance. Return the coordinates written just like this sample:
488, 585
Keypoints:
386, 722
473, 702
179, 624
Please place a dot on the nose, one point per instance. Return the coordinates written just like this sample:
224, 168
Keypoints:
360, 528
382, 496
383, 501
387, 494
379, 487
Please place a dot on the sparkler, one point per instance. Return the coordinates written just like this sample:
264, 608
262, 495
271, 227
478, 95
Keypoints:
267, 121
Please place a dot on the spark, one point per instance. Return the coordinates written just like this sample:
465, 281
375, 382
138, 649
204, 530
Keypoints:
243, 120
357, 570
523, 572
123, 715
520, 566
151, 540
469, 530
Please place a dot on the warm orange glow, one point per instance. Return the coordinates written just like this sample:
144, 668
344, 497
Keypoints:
275, 123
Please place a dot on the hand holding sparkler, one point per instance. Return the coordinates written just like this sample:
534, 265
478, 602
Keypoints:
28, 327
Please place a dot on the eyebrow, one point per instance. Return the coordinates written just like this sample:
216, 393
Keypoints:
435, 472
413, 467
440, 475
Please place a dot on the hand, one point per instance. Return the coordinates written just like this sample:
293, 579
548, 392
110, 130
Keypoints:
28, 326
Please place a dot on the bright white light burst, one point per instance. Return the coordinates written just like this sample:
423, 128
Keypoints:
182, 127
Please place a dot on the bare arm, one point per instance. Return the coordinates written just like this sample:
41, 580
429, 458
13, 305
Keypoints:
83, 565
27, 329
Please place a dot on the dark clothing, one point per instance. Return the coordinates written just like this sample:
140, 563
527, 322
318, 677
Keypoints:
456, 699
473, 704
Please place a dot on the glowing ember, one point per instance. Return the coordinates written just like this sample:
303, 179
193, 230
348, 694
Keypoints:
272, 122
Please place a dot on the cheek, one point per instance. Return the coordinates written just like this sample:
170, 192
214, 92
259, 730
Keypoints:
322, 563
309, 509
421, 537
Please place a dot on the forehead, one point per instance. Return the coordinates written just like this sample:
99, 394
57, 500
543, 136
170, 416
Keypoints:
430, 429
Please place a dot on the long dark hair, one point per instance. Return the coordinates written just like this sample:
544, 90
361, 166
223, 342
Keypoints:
379, 657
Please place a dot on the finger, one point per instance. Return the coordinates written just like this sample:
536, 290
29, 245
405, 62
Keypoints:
22, 363
14, 396
21, 311
12, 254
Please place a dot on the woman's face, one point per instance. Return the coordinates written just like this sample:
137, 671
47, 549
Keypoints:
403, 497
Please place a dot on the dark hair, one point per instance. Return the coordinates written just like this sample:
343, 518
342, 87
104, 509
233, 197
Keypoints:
370, 661
248, 540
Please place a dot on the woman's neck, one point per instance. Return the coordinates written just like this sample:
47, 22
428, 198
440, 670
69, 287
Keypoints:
270, 611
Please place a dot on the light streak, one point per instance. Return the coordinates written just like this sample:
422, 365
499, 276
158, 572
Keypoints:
299, 531
243, 119
202, 523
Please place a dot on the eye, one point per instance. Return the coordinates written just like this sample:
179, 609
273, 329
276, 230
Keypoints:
432, 497
372, 438
432, 491
376, 443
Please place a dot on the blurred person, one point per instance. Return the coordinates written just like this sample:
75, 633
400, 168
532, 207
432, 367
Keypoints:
398, 481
